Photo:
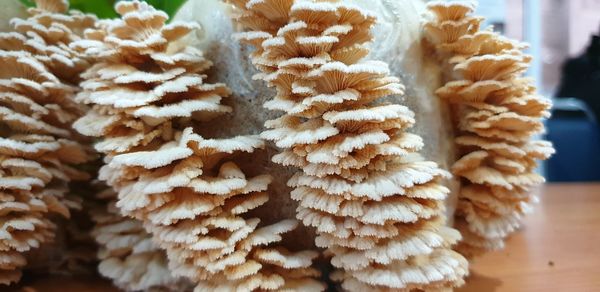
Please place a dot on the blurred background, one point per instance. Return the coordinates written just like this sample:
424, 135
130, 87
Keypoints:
564, 40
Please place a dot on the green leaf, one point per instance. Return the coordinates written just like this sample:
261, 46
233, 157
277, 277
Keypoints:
101, 8
105, 8
28, 3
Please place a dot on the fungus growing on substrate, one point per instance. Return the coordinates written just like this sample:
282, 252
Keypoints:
376, 204
497, 114
38, 149
148, 92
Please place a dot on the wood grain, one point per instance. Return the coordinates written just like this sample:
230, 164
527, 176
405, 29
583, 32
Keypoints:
558, 249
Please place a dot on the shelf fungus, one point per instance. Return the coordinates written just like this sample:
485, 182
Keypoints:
38, 149
497, 114
150, 99
376, 204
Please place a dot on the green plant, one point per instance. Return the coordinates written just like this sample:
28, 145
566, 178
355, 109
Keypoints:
104, 8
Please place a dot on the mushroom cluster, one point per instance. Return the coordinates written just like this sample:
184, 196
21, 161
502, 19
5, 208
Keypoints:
38, 149
47, 35
182, 206
127, 254
150, 99
497, 114
376, 204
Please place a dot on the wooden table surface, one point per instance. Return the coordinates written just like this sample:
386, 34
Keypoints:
558, 249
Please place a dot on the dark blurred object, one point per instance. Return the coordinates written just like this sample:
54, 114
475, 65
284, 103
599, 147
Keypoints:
573, 129
581, 77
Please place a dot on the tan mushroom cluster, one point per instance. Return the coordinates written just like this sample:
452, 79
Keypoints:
150, 99
47, 35
38, 149
376, 204
127, 254
497, 113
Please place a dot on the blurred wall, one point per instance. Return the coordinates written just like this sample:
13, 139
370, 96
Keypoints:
514, 19
555, 48
506, 15
584, 18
